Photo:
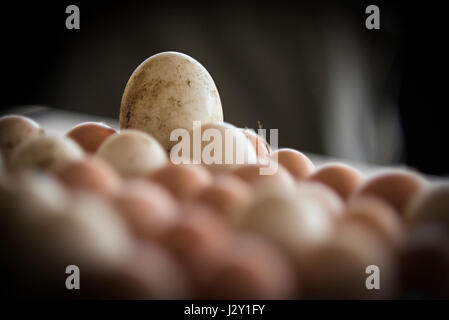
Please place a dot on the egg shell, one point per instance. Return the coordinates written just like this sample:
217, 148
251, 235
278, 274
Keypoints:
397, 187
323, 195
379, 216
225, 193
199, 240
252, 174
183, 180
90, 135
15, 130
218, 146
338, 268
148, 209
297, 163
430, 205
294, 224
168, 91
340, 177
46, 153
253, 269
133, 153
149, 272
91, 174
425, 262
259, 143
89, 235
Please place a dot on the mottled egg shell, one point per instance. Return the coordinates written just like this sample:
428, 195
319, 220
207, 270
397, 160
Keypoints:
168, 91
90, 135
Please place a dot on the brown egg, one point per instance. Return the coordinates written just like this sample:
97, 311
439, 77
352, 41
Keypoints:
324, 196
397, 187
15, 130
341, 267
225, 193
340, 177
431, 205
183, 180
199, 240
261, 146
148, 209
425, 262
298, 164
90, 135
379, 216
252, 174
149, 272
90, 174
253, 269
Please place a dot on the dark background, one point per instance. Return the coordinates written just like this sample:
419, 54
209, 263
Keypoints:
309, 68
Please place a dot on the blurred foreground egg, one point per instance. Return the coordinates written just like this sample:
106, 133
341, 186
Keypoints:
199, 240
90, 174
345, 267
148, 272
90, 135
431, 205
253, 269
298, 164
169, 91
15, 130
295, 224
397, 187
46, 152
148, 208
133, 153
379, 216
259, 143
183, 180
425, 262
340, 177
225, 193
323, 195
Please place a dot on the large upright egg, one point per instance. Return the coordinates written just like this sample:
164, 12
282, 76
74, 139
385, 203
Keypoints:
168, 91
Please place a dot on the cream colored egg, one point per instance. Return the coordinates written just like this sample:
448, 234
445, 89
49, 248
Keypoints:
46, 152
168, 91
218, 146
133, 153
296, 224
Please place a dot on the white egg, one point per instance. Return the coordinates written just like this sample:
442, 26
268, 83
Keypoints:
169, 91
